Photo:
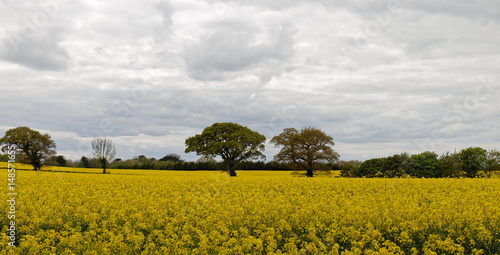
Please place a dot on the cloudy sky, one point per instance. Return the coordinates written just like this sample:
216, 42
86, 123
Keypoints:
381, 77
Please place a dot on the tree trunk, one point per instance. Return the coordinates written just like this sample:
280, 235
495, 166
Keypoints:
232, 173
231, 168
35, 162
309, 173
103, 164
36, 166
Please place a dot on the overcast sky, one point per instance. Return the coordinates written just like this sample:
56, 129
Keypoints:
381, 77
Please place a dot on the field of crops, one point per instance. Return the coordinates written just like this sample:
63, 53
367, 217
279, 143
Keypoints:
166, 212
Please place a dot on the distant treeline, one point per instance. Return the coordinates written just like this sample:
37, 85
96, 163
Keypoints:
470, 162
189, 165
169, 162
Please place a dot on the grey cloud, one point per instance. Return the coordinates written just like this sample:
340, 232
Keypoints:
167, 10
36, 33
475, 11
284, 5
41, 54
233, 50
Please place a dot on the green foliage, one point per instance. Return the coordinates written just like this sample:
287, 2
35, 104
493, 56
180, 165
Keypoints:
4, 157
349, 168
396, 166
372, 168
492, 162
34, 146
450, 165
84, 162
172, 157
308, 149
473, 160
201, 164
425, 164
61, 161
233, 142
58, 160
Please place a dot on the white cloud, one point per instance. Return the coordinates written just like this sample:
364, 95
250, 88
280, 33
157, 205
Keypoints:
233, 49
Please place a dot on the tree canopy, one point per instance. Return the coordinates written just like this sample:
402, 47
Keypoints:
473, 159
425, 164
36, 147
172, 157
231, 141
305, 149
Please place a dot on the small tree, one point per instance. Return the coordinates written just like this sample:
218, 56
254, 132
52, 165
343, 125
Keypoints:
172, 157
396, 166
308, 149
104, 151
33, 145
492, 162
473, 160
61, 161
350, 168
84, 162
233, 142
450, 165
425, 164
372, 168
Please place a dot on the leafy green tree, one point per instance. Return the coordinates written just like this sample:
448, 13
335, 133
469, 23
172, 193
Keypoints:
372, 168
308, 149
425, 164
473, 160
33, 145
450, 165
233, 142
492, 162
396, 166
104, 151
350, 168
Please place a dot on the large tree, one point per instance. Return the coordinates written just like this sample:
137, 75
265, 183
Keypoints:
104, 151
33, 145
233, 142
308, 149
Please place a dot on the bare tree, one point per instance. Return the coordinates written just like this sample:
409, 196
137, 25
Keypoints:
104, 150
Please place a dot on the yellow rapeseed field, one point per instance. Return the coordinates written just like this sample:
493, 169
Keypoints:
176, 212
